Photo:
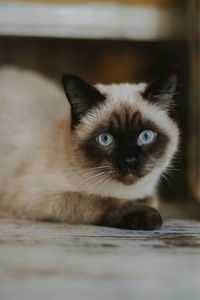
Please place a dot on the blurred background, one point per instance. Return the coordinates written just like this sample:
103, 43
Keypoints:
114, 41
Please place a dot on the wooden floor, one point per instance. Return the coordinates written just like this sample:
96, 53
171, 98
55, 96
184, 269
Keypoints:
58, 261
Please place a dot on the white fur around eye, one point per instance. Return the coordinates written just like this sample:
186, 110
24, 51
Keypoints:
105, 139
146, 137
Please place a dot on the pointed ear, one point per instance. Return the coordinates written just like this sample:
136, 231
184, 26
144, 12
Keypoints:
163, 91
81, 96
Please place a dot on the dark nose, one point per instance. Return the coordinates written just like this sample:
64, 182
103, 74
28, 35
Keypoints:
130, 160
128, 164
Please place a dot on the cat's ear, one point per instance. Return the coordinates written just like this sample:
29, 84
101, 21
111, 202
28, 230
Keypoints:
163, 90
81, 95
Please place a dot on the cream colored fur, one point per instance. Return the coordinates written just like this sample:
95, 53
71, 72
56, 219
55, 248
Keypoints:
40, 177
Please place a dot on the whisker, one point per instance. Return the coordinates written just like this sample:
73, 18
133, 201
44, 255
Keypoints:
99, 167
92, 170
94, 179
103, 179
168, 181
94, 174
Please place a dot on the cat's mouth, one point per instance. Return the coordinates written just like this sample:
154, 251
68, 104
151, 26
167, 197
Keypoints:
126, 179
129, 178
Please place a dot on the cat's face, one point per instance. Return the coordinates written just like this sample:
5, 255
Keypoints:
122, 132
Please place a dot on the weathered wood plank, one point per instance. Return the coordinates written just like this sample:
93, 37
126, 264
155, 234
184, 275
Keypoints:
92, 20
59, 261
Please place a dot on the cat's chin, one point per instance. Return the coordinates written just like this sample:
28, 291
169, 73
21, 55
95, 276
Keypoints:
128, 179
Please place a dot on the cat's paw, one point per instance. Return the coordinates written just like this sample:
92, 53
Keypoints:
142, 218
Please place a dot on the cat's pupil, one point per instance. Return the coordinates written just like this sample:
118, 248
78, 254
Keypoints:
105, 138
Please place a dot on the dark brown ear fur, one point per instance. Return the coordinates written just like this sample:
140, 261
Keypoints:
163, 90
81, 95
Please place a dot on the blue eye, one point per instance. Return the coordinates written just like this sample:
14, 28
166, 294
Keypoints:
146, 137
105, 139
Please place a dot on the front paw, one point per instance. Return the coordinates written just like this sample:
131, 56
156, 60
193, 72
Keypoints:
141, 218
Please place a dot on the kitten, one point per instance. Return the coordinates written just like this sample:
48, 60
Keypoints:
88, 164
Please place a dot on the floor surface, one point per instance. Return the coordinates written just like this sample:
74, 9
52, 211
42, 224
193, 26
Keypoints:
58, 261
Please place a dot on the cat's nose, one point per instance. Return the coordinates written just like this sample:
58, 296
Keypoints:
130, 164
127, 163
131, 160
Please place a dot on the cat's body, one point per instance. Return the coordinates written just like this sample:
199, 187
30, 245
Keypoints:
47, 170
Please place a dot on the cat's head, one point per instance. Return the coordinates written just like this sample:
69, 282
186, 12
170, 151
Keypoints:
122, 132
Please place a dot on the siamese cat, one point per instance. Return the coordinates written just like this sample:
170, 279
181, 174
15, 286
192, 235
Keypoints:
94, 159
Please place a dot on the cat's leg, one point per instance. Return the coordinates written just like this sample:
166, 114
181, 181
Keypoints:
78, 208
132, 215
86, 209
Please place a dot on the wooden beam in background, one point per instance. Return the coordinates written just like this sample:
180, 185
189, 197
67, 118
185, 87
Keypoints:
94, 21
